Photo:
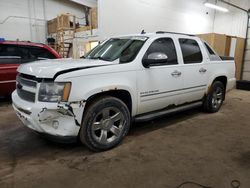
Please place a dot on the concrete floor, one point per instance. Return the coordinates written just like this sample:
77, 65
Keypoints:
211, 149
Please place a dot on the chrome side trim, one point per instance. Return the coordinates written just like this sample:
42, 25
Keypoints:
10, 57
8, 81
159, 93
174, 94
10, 67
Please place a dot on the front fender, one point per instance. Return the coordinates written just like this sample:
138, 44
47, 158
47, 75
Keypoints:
86, 86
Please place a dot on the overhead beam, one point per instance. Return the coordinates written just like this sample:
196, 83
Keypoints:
235, 6
88, 3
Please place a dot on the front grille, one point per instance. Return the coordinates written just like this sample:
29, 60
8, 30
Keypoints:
26, 95
25, 85
27, 82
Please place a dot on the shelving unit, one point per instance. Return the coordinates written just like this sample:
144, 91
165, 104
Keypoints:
65, 28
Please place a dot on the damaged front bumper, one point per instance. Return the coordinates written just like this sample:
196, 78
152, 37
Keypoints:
55, 119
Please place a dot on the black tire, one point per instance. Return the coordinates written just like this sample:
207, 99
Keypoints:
213, 101
106, 117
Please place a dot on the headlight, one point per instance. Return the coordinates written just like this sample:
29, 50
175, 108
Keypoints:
54, 91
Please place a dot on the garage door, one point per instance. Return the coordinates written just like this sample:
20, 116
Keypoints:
246, 70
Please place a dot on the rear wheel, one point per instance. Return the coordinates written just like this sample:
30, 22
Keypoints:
214, 99
105, 124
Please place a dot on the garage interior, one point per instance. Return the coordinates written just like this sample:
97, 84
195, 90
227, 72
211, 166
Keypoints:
189, 146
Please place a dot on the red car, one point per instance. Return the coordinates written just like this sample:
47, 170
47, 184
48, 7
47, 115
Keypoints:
12, 54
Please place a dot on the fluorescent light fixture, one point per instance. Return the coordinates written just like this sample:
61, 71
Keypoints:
213, 6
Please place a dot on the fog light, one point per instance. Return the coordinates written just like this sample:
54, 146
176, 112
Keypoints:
55, 124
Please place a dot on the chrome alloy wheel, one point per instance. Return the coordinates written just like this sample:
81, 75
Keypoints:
108, 125
217, 98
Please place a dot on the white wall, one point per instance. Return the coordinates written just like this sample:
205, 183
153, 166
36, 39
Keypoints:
188, 16
234, 22
131, 16
123, 17
25, 29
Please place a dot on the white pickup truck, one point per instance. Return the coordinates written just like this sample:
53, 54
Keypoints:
125, 78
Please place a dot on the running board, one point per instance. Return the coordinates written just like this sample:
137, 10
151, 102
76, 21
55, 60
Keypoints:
153, 115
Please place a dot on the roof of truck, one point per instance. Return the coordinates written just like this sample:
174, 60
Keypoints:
143, 34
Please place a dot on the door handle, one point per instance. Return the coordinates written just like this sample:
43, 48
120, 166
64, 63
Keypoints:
176, 73
202, 70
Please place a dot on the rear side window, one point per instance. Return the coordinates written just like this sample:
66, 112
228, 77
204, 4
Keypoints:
191, 51
166, 46
40, 53
9, 54
7, 50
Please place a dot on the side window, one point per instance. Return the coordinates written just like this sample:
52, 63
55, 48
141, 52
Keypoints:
30, 54
25, 54
9, 54
41, 53
191, 51
9, 50
166, 46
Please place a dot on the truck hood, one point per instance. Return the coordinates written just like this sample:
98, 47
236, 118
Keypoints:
50, 68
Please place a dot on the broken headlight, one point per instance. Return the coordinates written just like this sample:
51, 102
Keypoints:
54, 91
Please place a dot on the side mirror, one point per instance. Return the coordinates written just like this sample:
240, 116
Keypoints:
155, 58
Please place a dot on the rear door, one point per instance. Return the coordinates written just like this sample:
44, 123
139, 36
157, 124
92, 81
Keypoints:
194, 69
160, 85
10, 59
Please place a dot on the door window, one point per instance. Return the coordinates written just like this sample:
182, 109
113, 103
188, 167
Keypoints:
41, 53
166, 46
9, 54
191, 51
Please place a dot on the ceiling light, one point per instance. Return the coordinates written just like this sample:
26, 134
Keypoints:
213, 6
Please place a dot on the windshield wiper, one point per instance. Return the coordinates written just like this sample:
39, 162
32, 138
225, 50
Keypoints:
99, 58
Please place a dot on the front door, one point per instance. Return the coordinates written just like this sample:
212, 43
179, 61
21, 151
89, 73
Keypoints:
159, 85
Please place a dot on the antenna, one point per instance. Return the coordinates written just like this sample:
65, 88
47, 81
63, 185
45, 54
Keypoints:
143, 32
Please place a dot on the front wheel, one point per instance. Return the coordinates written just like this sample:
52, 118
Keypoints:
215, 97
105, 124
